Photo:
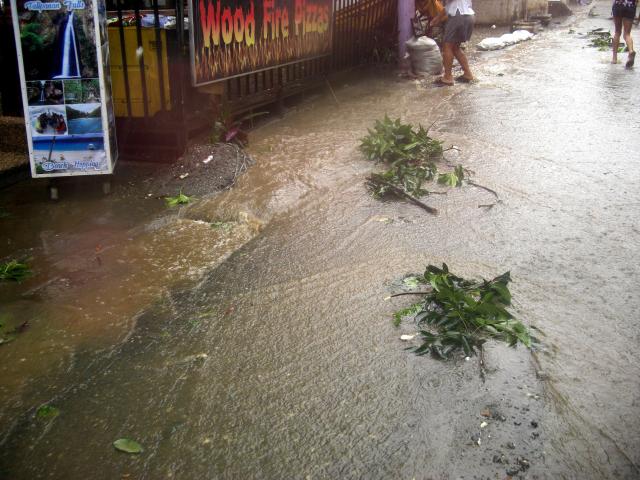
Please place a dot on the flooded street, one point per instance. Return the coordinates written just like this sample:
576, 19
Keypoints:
266, 349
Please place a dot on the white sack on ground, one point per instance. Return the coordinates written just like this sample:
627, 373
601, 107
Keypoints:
425, 56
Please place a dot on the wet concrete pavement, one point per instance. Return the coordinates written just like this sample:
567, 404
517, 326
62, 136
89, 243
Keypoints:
280, 360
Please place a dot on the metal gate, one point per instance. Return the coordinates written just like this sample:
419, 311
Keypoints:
361, 30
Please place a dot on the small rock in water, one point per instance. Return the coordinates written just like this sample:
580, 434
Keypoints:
513, 471
542, 375
510, 445
534, 424
500, 459
475, 438
524, 463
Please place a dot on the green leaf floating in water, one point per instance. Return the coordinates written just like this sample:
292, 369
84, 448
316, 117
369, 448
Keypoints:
411, 282
128, 446
180, 199
47, 411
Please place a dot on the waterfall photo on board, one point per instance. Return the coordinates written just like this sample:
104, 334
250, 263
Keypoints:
57, 44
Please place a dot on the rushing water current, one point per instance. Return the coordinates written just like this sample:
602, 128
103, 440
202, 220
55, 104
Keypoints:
266, 350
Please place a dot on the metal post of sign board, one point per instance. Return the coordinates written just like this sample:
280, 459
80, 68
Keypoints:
63, 59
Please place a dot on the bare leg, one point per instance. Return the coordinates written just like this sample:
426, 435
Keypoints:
447, 61
462, 60
617, 22
627, 33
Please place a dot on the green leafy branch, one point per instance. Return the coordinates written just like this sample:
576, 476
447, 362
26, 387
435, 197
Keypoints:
603, 41
391, 140
459, 314
410, 154
14, 271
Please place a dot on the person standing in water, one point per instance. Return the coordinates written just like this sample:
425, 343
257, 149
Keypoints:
457, 30
623, 11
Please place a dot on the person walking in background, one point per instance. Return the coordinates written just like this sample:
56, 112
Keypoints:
457, 30
623, 11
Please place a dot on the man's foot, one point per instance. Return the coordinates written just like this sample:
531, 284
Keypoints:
630, 59
442, 82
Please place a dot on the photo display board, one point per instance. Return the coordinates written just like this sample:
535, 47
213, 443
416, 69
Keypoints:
234, 37
63, 57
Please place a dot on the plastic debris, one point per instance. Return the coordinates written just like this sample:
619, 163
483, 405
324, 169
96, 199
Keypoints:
406, 338
483, 424
208, 159
496, 43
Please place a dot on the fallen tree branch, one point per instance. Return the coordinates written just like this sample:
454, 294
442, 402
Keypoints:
471, 182
409, 293
402, 193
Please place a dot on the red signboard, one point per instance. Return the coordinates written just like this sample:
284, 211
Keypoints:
231, 38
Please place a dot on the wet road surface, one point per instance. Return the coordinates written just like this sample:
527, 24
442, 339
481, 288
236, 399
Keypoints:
281, 361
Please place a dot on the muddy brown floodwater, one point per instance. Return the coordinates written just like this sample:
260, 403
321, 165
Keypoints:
266, 350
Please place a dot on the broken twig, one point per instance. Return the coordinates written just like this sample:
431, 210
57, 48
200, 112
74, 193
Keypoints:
470, 182
412, 199
408, 293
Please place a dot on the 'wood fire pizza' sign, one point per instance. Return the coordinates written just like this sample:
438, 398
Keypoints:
235, 37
